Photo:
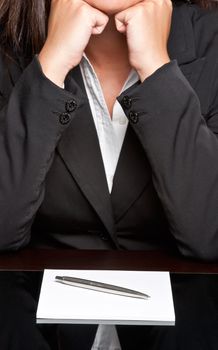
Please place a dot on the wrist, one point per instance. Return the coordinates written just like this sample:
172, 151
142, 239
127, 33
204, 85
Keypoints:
146, 70
52, 68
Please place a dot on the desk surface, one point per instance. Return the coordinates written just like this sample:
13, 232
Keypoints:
196, 309
39, 259
195, 298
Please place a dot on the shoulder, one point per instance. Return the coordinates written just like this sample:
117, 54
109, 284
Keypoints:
194, 43
205, 27
195, 30
11, 68
203, 16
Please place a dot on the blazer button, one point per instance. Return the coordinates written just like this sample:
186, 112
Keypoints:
133, 117
127, 102
70, 106
64, 118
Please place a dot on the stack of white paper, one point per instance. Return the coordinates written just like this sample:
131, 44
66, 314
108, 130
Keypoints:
61, 303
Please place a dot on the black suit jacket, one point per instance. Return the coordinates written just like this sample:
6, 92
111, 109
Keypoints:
52, 181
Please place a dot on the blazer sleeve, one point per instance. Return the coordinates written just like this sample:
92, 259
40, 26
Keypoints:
34, 115
183, 152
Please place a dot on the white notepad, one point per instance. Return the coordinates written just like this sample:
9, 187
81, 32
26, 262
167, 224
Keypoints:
59, 303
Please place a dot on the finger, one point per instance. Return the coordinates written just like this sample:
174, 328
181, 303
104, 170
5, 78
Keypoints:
120, 22
100, 23
121, 27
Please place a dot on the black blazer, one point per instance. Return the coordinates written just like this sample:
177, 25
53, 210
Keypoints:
52, 181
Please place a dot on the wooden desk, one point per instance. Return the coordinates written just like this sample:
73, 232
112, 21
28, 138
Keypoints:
39, 259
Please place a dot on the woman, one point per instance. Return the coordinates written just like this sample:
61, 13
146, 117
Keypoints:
58, 164
79, 168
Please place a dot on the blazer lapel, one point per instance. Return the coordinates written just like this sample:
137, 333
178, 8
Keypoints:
80, 151
129, 182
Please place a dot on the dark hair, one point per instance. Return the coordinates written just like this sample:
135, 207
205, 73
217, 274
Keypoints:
23, 24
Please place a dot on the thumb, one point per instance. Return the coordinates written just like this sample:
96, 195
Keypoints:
100, 23
120, 22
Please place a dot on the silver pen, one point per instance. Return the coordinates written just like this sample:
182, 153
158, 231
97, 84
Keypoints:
101, 287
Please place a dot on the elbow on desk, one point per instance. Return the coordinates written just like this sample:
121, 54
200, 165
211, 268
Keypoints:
196, 234
15, 224
204, 249
7, 244
206, 255
12, 238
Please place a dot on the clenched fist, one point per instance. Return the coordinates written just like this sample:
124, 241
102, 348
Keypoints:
71, 23
147, 27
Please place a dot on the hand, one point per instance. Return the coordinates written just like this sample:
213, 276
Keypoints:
147, 27
71, 23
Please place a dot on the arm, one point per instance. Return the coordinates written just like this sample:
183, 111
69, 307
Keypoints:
36, 114
181, 147
183, 152
32, 121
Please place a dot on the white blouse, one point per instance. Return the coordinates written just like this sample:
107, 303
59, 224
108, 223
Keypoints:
110, 131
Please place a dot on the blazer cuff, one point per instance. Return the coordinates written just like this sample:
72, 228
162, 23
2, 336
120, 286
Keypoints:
48, 99
161, 95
